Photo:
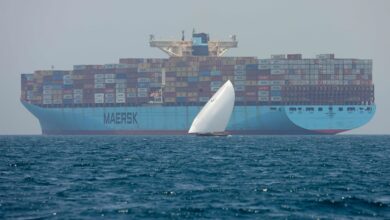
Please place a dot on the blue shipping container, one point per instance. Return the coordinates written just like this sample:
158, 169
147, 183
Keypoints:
204, 73
192, 79
251, 67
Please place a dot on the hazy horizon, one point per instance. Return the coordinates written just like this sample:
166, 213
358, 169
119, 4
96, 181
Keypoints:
39, 34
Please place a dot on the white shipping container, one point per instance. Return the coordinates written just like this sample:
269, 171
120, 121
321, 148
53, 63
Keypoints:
239, 72
214, 88
277, 71
78, 96
142, 94
239, 67
299, 82
120, 95
120, 100
142, 90
264, 67
239, 83
264, 61
263, 83
99, 76
109, 76
276, 88
99, 95
276, 98
68, 96
215, 83
278, 62
239, 78
99, 100
277, 82
109, 80
263, 93
100, 86
99, 80
77, 91
203, 99
355, 71
263, 98
113, 66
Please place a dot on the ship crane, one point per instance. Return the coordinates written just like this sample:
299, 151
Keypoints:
183, 48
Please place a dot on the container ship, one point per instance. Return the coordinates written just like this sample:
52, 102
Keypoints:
283, 94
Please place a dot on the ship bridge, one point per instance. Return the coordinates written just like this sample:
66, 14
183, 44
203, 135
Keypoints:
199, 45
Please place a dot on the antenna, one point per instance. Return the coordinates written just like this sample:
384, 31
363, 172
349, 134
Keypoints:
182, 35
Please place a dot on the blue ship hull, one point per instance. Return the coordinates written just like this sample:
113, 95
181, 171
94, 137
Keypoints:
177, 119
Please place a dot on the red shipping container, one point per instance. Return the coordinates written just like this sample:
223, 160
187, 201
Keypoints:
250, 94
216, 78
263, 77
263, 88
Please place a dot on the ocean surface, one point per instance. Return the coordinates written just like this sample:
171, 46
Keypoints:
252, 177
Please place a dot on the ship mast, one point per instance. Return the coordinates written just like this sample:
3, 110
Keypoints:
183, 48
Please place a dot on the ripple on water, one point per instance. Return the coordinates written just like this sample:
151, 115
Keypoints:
191, 177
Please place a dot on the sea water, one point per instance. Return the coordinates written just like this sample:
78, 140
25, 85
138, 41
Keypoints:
127, 177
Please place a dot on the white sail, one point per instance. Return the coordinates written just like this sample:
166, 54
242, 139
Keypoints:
215, 115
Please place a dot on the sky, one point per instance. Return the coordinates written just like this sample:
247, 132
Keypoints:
38, 34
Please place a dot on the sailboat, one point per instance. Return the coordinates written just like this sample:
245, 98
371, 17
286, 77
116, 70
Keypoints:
214, 117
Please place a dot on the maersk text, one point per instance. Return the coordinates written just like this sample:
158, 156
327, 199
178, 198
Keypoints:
120, 118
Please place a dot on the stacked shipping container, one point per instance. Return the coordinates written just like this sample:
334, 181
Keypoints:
281, 80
